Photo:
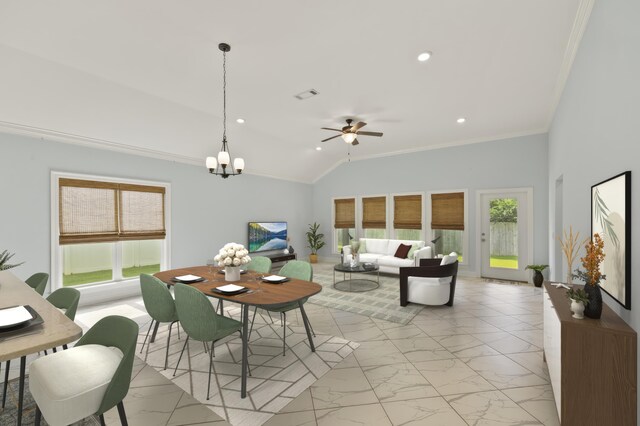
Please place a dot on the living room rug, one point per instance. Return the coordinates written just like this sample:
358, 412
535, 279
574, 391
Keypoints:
275, 379
382, 303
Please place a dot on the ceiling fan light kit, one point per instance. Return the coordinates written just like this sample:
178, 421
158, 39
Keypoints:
220, 166
350, 133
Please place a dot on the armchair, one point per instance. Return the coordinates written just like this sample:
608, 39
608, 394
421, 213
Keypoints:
431, 283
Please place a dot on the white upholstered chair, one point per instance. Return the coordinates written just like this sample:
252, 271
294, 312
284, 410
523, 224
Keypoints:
431, 283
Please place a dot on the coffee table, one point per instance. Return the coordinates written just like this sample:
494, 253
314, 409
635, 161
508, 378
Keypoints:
356, 285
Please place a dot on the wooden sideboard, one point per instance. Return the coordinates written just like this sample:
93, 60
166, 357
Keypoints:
592, 364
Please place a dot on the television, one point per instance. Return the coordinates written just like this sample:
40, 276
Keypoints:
264, 236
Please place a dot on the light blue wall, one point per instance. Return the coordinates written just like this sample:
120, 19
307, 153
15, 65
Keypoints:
595, 131
508, 163
207, 211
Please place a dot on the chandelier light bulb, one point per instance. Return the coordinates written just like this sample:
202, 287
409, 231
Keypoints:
238, 164
223, 158
212, 163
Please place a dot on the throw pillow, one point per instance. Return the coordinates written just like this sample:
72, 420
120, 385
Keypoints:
403, 251
412, 252
363, 246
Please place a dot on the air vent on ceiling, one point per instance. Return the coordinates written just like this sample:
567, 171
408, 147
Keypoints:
306, 94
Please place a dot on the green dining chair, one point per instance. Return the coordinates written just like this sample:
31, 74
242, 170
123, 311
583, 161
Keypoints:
299, 270
161, 308
66, 300
201, 322
260, 264
38, 282
100, 366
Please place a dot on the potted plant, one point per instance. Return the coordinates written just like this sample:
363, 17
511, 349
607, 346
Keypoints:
591, 275
537, 273
579, 300
314, 240
4, 258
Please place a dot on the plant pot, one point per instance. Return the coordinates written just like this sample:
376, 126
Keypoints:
594, 308
537, 278
313, 258
577, 307
232, 273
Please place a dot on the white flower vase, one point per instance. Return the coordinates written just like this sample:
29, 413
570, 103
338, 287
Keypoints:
577, 308
355, 260
232, 273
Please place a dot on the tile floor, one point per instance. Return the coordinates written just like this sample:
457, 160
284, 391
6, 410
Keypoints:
477, 363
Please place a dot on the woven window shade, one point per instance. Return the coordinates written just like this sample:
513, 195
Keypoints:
447, 211
141, 212
374, 213
345, 213
94, 211
407, 212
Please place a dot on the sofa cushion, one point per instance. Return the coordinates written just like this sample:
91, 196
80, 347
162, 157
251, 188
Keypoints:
377, 246
70, 385
403, 251
394, 261
393, 245
449, 259
363, 246
369, 257
412, 251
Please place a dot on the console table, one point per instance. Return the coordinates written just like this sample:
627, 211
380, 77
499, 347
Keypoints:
592, 364
277, 258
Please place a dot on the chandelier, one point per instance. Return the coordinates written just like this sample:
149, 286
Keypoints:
221, 165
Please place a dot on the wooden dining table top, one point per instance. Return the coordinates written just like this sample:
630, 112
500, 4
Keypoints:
56, 330
260, 292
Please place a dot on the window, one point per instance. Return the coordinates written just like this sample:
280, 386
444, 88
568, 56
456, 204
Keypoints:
447, 223
374, 217
344, 222
407, 217
108, 231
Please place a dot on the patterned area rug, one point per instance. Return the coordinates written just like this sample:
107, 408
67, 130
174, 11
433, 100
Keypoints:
382, 303
275, 379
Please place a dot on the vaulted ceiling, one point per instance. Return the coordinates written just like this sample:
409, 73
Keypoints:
145, 76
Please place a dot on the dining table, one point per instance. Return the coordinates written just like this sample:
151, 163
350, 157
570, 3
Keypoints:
259, 294
54, 330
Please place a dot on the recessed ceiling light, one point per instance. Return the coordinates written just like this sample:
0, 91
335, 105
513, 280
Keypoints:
240, 120
423, 57
461, 120
318, 148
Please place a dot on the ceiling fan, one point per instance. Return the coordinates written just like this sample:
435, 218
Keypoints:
350, 133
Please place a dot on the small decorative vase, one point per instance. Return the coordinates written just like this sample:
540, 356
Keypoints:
232, 273
577, 307
538, 278
594, 308
291, 250
355, 260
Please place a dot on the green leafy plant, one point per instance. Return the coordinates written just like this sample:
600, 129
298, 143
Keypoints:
602, 216
579, 295
4, 258
314, 239
537, 268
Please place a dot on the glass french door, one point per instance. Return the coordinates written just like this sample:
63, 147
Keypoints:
504, 235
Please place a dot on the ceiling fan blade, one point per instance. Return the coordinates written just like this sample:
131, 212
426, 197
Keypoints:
355, 142
328, 128
378, 134
332, 137
357, 126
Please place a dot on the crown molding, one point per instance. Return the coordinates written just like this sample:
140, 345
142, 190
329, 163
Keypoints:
575, 37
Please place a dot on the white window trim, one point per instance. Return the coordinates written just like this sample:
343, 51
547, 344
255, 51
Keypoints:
360, 209
109, 288
334, 243
392, 207
465, 234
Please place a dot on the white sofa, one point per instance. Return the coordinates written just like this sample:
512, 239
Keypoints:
383, 252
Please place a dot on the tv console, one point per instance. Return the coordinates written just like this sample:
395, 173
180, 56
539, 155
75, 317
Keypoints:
280, 257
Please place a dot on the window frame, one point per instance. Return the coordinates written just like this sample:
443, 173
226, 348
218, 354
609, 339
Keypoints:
392, 208
360, 209
465, 233
334, 242
56, 248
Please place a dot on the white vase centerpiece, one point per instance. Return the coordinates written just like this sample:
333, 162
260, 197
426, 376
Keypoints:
232, 256
577, 307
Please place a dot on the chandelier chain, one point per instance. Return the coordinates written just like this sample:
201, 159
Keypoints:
224, 95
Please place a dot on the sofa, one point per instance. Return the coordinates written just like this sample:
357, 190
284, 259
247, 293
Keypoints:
432, 283
382, 251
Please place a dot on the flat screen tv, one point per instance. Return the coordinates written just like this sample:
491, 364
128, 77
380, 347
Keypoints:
265, 236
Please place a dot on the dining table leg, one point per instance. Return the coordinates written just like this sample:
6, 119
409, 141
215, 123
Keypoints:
245, 350
23, 364
306, 326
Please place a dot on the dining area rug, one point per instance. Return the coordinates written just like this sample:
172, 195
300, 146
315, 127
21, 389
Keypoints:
275, 380
382, 302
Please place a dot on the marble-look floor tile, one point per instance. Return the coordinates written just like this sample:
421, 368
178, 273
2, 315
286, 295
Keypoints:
190, 411
364, 415
532, 361
426, 411
409, 331
302, 402
339, 388
538, 401
398, 382
301, 418
490, 408
148, 405
380, 352
452, 376
506, 343
503, 372
422, 349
